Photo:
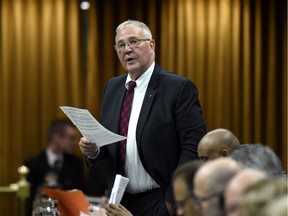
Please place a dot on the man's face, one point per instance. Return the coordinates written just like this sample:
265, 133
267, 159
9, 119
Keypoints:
69, 140
206, 152
209, 204
186, 206
232, 198
135, 60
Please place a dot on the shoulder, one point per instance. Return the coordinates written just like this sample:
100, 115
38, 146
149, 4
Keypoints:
36, 160
115, 83
172, 79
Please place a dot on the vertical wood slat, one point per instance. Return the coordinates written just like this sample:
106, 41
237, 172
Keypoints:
271, 124
47, 69
235, 61
258, 83
211, 74
93, 80
59, 56
180, 33
5, 76
283, 147
246, 96
16, 90
31, 122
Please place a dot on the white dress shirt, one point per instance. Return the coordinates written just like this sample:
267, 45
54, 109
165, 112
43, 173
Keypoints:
52, 158
139, 179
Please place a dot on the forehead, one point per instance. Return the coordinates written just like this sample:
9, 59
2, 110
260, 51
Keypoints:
205, 149
129, 31
180, 186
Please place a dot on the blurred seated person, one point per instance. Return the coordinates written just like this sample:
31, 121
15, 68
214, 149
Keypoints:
210, 182
276, 207
183, 178
236, 187
258, 156
217, 143
258, 195
56, 167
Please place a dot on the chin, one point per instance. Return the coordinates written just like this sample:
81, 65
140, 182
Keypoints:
133, 67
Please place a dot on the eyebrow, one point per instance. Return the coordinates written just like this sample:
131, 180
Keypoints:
133, 37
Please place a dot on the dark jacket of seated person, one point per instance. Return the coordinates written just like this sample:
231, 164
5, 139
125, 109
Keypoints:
56, 167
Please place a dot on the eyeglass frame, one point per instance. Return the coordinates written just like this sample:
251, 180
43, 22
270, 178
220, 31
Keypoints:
137, 42
181, 203
213, 195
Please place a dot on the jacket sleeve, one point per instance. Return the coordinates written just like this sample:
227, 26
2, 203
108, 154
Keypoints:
190, 126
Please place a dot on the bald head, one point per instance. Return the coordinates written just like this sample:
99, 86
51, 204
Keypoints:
210, 182
237, 186
217, 143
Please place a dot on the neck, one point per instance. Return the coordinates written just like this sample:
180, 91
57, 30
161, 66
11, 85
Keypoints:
135, 76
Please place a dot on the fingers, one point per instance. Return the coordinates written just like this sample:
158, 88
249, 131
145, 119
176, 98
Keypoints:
87, 148
111, 210
122, 207
115, 210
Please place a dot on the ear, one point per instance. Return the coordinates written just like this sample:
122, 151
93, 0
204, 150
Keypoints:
152, 44
225, 153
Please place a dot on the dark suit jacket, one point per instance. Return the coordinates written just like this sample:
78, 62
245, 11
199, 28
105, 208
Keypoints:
70, 175
169, 128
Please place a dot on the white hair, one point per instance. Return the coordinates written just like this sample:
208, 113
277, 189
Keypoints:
142, 25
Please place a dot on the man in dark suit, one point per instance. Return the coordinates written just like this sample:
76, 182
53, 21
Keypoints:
56, 166
164, 125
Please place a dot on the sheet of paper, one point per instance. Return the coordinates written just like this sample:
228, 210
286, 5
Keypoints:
90, 127
83, 214
118, 189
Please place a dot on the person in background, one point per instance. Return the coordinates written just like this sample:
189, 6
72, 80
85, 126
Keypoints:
236, 188
210, 182
56, 167
258, 156
260, 194
276, 207
183, 189
217, 143
160, 114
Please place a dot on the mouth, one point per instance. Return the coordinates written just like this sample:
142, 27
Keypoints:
130, 60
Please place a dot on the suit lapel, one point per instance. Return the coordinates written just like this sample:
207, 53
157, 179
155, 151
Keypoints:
147, 103
119, 97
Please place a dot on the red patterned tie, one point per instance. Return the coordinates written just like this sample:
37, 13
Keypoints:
124, 122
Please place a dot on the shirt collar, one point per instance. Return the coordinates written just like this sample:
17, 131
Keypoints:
147, 74
52, 157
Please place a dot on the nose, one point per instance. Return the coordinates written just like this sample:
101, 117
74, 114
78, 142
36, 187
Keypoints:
127, 48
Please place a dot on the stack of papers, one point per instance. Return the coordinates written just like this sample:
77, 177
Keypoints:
118, 189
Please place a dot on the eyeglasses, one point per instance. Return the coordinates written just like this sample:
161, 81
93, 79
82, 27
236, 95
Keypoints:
181, 203
132, 43
217, 195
